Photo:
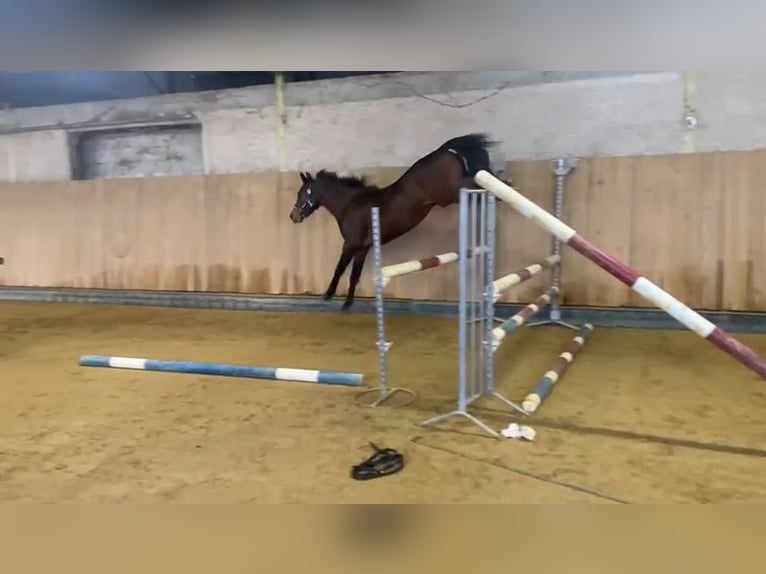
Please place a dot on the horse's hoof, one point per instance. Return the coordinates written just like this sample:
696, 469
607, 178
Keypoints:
327, 296
347, 305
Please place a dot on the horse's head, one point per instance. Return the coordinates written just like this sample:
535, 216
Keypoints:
307, 200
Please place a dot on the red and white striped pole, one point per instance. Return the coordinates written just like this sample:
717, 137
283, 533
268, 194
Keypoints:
513, 279
526, 313
415, 265
661, 298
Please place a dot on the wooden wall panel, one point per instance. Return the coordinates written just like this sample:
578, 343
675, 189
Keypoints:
50, 235
744, 239
692, 223
598, 207
151, 233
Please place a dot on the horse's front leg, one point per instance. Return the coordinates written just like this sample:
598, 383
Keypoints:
345, 258
356, 274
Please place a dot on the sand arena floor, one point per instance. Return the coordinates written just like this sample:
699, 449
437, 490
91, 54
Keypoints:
641, 416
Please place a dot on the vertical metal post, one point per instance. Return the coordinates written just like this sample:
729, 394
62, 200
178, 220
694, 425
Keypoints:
476, 229
479, 281
465, 385
383, 390
489, 296
472, 266
561, 168
462, 301
383, 345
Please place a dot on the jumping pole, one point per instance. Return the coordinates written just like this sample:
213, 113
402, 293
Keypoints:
520, 318
225, 370
625, 274
513, 279
544, 386
415, 265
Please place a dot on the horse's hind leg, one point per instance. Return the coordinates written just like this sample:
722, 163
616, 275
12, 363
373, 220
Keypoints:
356, 273
345, 258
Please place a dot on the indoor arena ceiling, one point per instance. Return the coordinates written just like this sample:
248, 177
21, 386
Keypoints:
26, 89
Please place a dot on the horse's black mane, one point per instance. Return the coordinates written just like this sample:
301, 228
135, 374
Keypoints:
352, 180
471, 141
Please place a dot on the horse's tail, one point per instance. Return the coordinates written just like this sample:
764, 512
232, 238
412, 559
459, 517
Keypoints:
473, 150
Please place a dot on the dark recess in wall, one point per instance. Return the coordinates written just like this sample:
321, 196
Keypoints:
223, 80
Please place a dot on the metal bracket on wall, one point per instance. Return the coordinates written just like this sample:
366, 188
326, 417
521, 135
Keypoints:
281, 121
691, 119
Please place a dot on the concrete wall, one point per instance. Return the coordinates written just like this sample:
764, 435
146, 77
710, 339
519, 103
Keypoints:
618, 116
35, 156
393, 120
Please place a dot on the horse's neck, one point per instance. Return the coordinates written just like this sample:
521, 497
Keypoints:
336, 200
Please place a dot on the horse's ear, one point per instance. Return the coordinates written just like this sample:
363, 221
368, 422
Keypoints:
306, 177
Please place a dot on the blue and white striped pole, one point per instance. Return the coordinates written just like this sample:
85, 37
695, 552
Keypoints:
225, 370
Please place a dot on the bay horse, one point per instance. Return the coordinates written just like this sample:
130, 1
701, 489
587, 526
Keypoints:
434, 179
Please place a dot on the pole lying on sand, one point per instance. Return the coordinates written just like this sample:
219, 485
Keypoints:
658, 296
225, 370
529, 311
545, 385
